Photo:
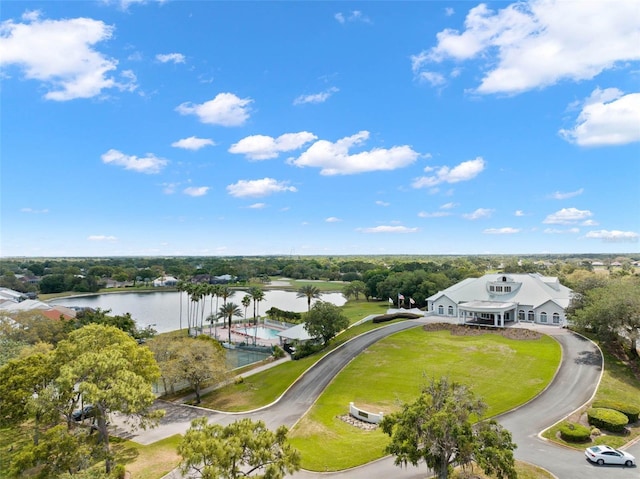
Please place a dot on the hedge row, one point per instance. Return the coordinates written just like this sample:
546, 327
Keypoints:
390, 317
607, 419
574, 432
632, 412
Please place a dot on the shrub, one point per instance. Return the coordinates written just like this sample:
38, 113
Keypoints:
390, 317
607, 419
573, 432
278, 352
595, 431
306, 349
119, 472
238, 380
632, 412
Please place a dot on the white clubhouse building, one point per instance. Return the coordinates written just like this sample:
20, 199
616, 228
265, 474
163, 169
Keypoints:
496, 299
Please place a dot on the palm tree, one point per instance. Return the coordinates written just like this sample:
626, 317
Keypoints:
196, 294
225, 292
216, 288
229, 310
181, 286
311, 292
257, 295
246, 301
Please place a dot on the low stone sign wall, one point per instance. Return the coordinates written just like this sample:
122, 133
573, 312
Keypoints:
364, 415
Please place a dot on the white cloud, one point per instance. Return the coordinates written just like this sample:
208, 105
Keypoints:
170, 57
567, 216
382, 203
332, 219
125, 4
478, 214
501, 231
518, 213
537, 43
449, 11
61, 54
315, 97
226, 109
257, 206
32, 211
353, 16
613, 236
436, 214
196, 190
193, 143
608, 117
263, 187
149, 164
433, 78
262, 147
169, 188
465, 171
448, 206
101, 238
558, 195
388, 229
334, 158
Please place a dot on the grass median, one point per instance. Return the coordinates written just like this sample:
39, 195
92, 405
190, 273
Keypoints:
503, 372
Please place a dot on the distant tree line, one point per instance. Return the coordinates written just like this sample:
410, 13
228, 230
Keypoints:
384, 276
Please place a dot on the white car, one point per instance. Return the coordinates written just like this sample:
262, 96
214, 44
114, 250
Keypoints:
607, 455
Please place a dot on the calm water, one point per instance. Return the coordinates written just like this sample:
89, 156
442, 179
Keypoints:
260, 332
161, 310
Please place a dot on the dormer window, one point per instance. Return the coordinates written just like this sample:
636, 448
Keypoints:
498, 286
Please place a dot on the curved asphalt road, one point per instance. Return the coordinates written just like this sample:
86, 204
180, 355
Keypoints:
573, 386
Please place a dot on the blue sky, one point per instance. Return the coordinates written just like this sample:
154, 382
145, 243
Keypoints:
319, 128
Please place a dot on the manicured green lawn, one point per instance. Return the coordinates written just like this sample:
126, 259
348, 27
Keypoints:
152, 461
618, 384
264, 388
393, 370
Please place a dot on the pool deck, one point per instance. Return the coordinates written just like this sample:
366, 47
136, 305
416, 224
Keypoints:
221, 333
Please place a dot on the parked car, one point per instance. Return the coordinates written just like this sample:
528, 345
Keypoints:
607, 455
86, 412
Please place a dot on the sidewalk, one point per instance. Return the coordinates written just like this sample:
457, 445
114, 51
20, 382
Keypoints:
191, 396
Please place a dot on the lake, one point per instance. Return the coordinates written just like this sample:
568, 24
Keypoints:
161, 309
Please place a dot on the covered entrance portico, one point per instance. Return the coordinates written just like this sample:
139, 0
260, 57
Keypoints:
487, 313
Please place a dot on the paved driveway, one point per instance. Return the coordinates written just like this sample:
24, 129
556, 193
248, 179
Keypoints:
573, 386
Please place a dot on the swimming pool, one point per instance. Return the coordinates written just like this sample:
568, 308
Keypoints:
260, 332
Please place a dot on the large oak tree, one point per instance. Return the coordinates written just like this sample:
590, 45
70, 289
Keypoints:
438, 428
244, 448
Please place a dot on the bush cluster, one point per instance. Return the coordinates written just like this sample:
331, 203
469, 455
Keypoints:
390, 317
607, 419
574, 432
306, 349
632, 412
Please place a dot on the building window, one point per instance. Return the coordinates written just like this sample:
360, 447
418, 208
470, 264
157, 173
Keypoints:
441, 310
531, 316
492, 288
507, 289
498, 289
543, 317
450, 311
521, 315
556, 318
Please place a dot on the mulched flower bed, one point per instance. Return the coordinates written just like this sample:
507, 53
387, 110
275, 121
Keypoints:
349, 419
462, 330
